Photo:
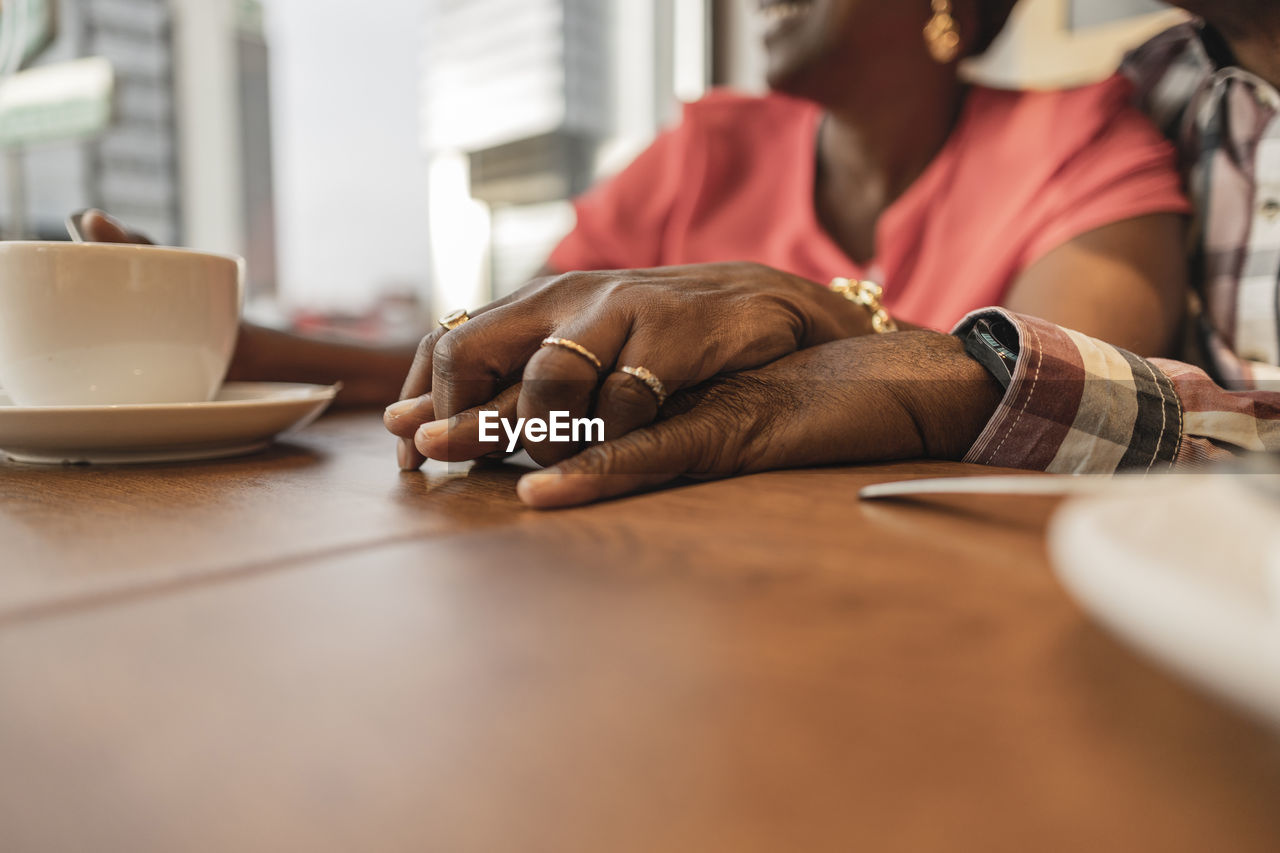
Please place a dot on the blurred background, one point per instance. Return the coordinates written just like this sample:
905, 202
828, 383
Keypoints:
383, 161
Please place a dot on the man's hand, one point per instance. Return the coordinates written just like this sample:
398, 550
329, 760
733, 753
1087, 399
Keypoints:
684, 324
896, 396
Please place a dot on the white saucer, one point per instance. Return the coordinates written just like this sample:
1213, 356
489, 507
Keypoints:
243, 418
1189, 573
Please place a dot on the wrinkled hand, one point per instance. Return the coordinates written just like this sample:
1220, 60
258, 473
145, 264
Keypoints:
685, 324
898, 396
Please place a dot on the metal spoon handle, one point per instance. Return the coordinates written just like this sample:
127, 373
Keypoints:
73, 226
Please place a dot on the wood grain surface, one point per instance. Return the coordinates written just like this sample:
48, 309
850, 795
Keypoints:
306, 650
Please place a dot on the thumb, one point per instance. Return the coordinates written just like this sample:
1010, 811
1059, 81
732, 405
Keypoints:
98, 227
646, 457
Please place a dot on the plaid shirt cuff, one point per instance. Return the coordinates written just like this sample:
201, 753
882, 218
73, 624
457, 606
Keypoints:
1076, 405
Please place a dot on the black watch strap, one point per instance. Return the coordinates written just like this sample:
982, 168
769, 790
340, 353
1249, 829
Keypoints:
993, 343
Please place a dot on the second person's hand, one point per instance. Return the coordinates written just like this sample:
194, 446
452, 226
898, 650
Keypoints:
872, 399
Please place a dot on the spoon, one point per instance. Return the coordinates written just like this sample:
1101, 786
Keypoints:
1260, 474
989, 485
73, 226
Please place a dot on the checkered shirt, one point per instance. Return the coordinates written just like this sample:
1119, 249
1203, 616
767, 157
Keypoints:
1074, 404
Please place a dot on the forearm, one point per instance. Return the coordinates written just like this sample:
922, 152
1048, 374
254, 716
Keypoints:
370, 376
951, 397
912, 394
873, 398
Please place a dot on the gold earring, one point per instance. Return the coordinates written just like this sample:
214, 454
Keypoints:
941, 35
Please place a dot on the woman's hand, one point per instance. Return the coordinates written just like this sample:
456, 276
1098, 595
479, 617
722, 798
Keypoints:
684, 324
899, 396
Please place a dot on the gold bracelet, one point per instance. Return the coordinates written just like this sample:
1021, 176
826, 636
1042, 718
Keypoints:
867, 294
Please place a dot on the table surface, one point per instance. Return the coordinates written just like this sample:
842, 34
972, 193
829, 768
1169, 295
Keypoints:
306, 650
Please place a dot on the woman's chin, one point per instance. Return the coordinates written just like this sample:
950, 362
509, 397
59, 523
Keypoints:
781, 63
795, 64
789, 78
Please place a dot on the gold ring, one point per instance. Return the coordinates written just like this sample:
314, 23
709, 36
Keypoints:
650, 381
574, 346
454, 319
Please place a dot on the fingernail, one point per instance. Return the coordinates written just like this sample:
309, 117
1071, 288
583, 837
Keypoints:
407, 455
433, 430
530, 485
404, 407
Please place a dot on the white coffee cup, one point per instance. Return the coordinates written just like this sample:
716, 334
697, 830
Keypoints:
91, 324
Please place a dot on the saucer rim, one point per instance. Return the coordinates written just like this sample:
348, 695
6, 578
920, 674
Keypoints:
118, 457
274, 393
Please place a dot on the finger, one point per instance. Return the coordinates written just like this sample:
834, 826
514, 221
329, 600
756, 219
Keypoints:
407, 455
627, 402
405, 417
644, 458
418, 383
624, 404
459, 438
559, 379
472, 363
418, 380
98, 227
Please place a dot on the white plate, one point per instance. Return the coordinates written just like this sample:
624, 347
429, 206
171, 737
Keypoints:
1188, 572
243, 418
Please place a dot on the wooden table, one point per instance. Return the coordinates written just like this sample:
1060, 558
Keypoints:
305, 650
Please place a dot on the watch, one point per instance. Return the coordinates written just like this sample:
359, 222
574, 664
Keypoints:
993, 343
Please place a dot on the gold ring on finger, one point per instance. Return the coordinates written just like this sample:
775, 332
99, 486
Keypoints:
653, 383
454, 319
574, 347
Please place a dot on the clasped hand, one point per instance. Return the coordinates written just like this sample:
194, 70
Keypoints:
763, 367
